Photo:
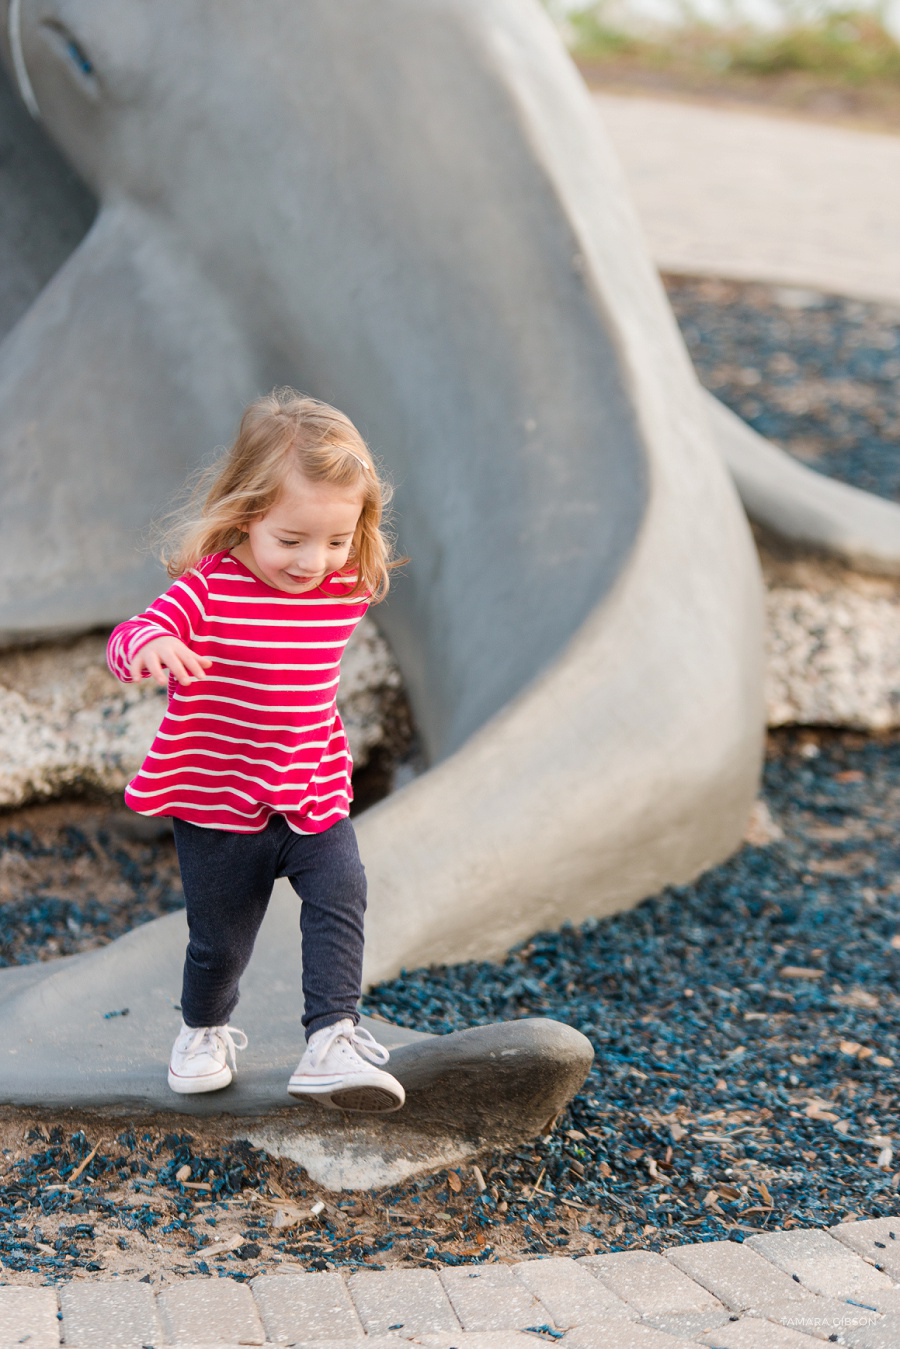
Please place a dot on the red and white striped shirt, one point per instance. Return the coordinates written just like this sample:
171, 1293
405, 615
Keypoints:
261, 734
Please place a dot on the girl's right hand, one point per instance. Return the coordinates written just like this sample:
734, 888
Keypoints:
171, 652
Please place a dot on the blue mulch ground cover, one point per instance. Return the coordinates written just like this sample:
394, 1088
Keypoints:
818, 374
747, 1027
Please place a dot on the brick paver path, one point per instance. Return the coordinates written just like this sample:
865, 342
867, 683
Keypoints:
761, 198
779, 1290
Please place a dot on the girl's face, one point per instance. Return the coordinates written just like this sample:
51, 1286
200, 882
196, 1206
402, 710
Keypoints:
306, 535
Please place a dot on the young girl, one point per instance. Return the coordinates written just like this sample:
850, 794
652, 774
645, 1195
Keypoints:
273, 573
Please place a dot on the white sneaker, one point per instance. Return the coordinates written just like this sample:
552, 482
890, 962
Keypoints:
200, 1057
339, 1070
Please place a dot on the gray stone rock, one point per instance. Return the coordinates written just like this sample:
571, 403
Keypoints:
473, 1091
833, 645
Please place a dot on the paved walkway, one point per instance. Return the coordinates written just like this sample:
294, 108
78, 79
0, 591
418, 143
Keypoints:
729, 194
775, 1291
756, 197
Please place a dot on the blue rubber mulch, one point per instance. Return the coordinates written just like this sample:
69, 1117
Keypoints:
747, 1026
818, 374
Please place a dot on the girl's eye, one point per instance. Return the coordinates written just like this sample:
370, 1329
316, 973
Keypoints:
287, 543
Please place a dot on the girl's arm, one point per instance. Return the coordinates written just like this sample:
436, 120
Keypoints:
162, 635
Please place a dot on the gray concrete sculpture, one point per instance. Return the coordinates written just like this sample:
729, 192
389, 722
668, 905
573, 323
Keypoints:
409, 210
803, 508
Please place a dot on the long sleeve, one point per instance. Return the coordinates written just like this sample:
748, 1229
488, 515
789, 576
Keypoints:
177, 613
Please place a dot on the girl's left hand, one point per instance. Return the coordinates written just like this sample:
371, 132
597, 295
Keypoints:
168, 652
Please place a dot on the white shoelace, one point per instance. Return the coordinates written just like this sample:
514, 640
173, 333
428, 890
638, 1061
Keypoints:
359, 1039
207, 1038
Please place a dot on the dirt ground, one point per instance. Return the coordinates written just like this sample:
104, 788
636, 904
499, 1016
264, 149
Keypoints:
146, 1207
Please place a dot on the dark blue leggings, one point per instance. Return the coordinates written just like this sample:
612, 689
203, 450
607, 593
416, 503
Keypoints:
228, 881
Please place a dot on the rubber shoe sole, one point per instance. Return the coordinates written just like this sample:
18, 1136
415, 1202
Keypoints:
363, 1098
193, 1086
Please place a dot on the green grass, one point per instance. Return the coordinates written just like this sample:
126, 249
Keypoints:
849, 48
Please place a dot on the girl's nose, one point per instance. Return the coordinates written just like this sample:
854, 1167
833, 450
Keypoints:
313, 561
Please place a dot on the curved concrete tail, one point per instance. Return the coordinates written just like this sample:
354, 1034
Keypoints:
803, 507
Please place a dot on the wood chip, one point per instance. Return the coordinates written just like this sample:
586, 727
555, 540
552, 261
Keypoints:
537, 1183
82, 1164
817, 1110
858, 997
288, 1214
220, 1247
288, 1217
